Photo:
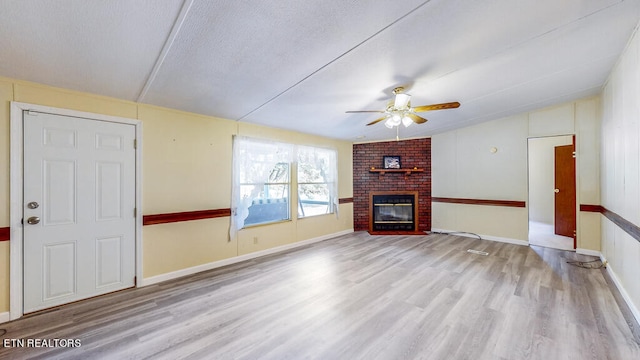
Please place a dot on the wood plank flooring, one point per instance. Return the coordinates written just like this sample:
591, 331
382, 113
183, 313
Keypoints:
355, 297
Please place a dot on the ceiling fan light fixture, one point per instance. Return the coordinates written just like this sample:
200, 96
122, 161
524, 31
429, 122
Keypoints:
402, 101
399, 110
394, 119
389, 123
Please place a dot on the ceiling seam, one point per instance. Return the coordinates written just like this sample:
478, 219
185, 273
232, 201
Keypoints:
334, 60
177, 25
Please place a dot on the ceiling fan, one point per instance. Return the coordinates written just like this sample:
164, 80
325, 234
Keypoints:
399, 110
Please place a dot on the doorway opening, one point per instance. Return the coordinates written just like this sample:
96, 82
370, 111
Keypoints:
552, 197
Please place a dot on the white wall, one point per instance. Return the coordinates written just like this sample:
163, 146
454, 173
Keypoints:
620, 169
463, 166
541, 176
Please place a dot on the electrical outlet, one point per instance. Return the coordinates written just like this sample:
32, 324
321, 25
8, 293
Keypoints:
255, 240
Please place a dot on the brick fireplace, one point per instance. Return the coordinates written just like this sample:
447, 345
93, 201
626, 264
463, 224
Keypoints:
415, 159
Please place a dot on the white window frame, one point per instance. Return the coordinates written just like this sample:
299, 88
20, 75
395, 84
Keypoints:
330, 179
263, 155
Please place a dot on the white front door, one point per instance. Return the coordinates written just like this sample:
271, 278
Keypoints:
78, 210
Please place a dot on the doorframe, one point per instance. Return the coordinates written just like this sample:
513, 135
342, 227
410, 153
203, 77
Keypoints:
576, 182
16, 308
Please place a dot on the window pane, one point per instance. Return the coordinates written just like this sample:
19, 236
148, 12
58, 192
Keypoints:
313, 164
316, 181
261, 182
272, 204
279, 173
314, 199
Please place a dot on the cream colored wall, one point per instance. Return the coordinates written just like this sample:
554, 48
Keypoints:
186, 167
194, 151
541, 176
588, 114
181, 245
6, 95
620, 168
67, 99
463, 166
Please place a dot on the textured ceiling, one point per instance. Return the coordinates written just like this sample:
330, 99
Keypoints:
300, 65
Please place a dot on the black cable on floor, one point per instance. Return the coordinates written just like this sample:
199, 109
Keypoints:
587, 264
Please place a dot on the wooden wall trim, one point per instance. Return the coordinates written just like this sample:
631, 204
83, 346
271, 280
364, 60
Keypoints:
508, 203
184, 216
345, 200
591, 208
5, 234
630, 228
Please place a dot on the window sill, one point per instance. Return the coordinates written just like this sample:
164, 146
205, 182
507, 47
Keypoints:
266, 223
317, 215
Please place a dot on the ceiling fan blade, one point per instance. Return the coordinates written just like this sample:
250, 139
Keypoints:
417, 119
376, 121
449, 105
365, 111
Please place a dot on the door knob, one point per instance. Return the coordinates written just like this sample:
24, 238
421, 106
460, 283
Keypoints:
33, 220
556, 191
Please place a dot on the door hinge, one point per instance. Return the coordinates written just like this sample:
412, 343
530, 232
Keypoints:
573, 154
135, 143
135, 212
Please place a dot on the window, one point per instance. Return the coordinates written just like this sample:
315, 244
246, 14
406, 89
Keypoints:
317, 185
261, 182
271, 203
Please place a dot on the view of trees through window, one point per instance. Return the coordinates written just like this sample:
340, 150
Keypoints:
315, 167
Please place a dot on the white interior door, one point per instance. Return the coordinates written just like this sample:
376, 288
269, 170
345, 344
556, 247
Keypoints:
79, 201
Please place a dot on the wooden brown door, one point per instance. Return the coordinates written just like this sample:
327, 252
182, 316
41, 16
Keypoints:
565, 191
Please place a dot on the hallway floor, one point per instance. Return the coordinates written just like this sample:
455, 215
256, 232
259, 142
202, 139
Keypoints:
542, 234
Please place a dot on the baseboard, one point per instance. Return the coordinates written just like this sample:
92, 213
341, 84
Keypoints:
220, 263
588, 252
5, 317
485, 237
621, 289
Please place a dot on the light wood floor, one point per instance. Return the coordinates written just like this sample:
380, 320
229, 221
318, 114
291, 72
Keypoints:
542, 234
355, 297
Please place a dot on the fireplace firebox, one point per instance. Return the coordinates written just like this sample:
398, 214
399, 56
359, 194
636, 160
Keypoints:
393, 212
